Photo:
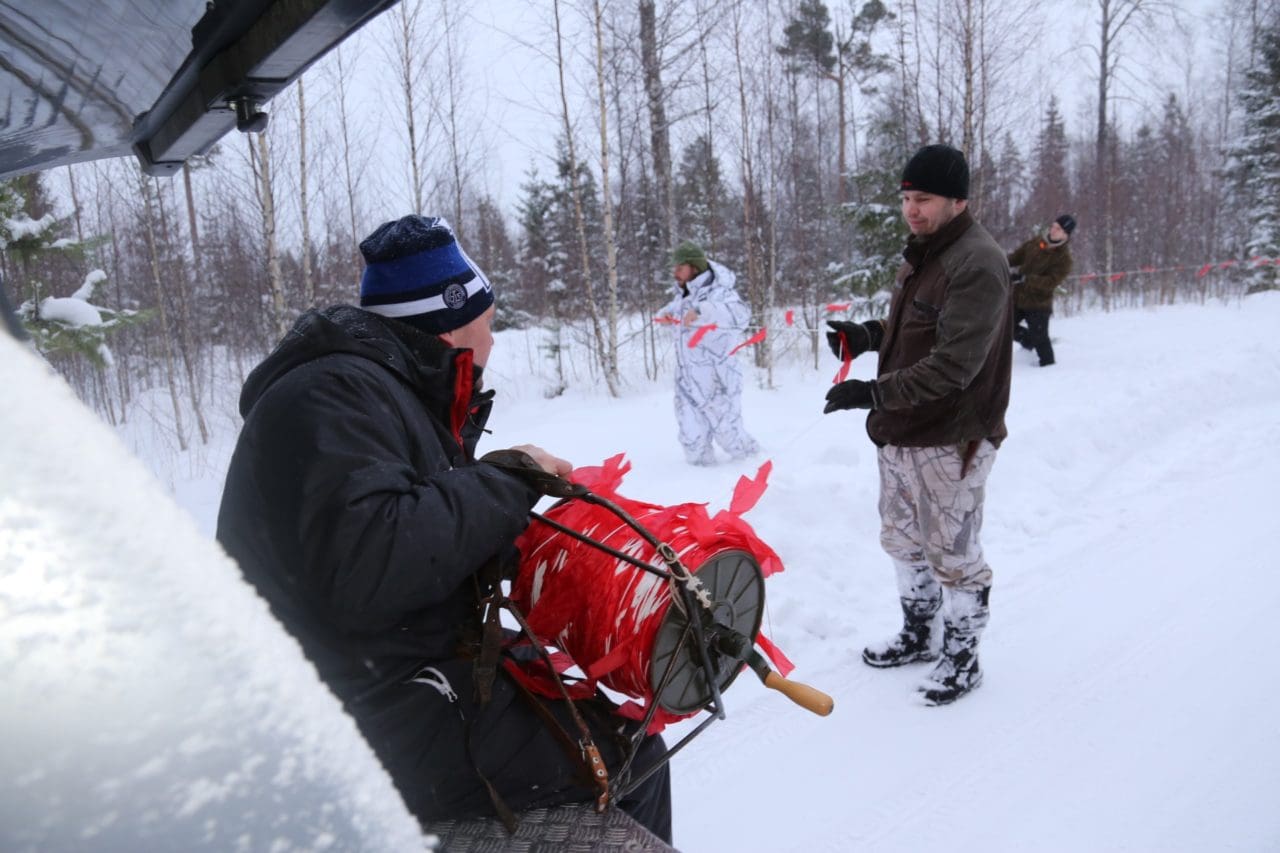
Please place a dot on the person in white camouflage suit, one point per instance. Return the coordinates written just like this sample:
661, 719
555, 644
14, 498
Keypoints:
708, 395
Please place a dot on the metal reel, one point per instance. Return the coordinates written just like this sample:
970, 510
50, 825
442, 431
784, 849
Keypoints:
736, 585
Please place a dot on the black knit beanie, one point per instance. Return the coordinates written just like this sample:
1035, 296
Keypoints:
937, 169
1068, 223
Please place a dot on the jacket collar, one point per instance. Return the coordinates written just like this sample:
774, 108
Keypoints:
443, 378
918, 248
446, 380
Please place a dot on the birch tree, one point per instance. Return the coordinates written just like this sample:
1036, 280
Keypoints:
448, 109
750, 216
264, 189
579, 219
610, 239
351, 165
145, 189
1116, 20
411, 54
304, 206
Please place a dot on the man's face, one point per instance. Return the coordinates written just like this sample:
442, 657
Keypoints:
684, 273
1056, 233
476, 336
925, 212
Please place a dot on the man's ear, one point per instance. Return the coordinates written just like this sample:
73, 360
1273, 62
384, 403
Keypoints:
447, 337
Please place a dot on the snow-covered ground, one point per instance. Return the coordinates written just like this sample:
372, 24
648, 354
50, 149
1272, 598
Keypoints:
1130, 663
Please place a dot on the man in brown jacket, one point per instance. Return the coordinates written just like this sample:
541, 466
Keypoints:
1039, 266
937, 415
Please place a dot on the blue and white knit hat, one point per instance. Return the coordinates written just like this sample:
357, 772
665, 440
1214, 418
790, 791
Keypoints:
415, 271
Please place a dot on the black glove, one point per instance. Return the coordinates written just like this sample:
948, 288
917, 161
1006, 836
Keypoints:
860, 337
1016, 277
852, 394
522, 465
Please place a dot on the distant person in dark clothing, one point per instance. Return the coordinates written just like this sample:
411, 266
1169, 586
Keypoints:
1038, 267
355, 505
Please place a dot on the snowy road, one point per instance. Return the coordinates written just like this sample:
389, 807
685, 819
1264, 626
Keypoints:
1130, 662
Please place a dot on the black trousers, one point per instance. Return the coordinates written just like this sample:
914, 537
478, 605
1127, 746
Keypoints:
433, 748
1032, 331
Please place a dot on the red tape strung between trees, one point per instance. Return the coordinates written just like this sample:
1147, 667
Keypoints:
700, 334
604, 612
696, 337
789, 317
754, 339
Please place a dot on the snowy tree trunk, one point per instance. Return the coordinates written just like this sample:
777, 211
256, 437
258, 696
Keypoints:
767, 349
610, 239
166, 335
75, 203
263, 182
193, 227
579, 220
308, 279
182, 284
123, 363
453, 78
755, 296
659, 129
410, 54
1101, 188
350, 176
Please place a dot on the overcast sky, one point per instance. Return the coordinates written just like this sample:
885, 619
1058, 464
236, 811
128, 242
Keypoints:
510, 54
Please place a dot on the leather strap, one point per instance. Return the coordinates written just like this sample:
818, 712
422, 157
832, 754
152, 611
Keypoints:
485, 668
585, 748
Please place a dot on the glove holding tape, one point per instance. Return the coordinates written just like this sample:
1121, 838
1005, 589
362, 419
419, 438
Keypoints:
853, 339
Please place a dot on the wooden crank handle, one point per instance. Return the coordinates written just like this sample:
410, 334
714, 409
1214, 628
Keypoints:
803, 695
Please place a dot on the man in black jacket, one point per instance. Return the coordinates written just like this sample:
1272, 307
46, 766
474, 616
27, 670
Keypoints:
355, 505
937, 416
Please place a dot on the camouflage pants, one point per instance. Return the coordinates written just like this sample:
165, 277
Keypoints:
709, 407
930, 517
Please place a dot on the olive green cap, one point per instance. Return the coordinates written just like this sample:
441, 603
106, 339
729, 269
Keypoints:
689, 252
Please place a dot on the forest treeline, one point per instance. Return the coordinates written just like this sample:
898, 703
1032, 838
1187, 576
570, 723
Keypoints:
771, 131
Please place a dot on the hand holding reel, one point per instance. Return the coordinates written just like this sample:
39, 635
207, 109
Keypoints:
705, 637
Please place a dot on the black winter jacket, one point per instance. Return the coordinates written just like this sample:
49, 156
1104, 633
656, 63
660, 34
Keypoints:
355, 506
947, 351
1045, 267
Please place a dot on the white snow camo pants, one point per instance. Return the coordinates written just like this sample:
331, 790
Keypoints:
709, 406
930, 518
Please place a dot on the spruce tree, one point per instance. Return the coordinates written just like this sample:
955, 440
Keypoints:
539, 259
1255, 157
493, 251
875, 211
701, 195
1050, 185
44, 262
1180, 239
